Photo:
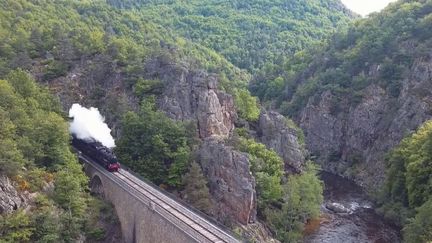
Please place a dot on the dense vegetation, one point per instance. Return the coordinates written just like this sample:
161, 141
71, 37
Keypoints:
383, 45
34, 152
248, 33
301, 200
285, 202
407, 195
154, 145
51, 38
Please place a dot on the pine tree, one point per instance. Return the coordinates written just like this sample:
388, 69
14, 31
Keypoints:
419, 228
196, 191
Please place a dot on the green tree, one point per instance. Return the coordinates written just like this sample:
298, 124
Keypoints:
154, 145
16, 227
195, 190
247, 105
34, 135
250, 33
301, 201
267, 167
406, 194
46, 219
264, 160
419, 228
11, 159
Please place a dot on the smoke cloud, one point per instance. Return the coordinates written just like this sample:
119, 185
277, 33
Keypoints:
89, 124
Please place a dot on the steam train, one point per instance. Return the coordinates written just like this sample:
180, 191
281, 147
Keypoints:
96, 151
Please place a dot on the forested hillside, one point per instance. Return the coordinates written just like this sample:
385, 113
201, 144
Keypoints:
58, 36
406, 197
174, 81
358, 96
250, 34
170, 101
377, 50
34, 152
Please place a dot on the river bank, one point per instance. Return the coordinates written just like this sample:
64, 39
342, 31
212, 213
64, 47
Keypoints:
348, 215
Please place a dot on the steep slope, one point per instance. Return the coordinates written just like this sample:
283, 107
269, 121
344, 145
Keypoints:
105, 48
250, 34
169, 101
89, 53
406, 196
358, 96
42, 186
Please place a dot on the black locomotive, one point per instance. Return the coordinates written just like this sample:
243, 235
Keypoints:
99, 153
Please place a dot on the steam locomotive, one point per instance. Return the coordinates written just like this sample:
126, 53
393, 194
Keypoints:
96, 151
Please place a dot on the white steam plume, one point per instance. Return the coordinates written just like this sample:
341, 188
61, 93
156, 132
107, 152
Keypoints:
89, 123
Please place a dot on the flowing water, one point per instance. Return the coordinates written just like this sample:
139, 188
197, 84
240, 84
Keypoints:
349, 216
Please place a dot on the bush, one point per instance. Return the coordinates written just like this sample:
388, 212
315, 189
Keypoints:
154, 145
419, 228
246, 105
16, 227
267, 167
408, 185
301, 201
54, 70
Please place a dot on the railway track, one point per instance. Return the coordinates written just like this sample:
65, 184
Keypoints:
194, 225
201, 226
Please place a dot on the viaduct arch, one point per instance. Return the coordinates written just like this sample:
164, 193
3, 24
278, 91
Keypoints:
148, 215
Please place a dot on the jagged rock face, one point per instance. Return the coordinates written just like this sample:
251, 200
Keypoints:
188, 93
96, 82
193, 95
10, 200
354, 142
276, 134
230, 181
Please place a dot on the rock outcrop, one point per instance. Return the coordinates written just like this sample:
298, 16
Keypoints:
194, 95
275, 133
230, 181
10, 199
354, 141
96, 82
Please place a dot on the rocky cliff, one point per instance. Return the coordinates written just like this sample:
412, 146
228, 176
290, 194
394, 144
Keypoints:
276, 133
95, 81
193, 95
354, 142
359, 94
10, 198
231, 184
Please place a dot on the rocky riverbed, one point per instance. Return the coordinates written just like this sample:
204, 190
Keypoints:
349, 216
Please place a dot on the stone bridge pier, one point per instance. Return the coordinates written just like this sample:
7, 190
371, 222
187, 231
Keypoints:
148, 217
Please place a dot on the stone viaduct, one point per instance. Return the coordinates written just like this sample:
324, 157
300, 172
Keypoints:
147, 214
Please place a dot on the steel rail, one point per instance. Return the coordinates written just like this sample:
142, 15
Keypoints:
154, 199
127, 188
179, 201
179, 207
186, 219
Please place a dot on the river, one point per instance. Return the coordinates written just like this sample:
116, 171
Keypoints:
356, 220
